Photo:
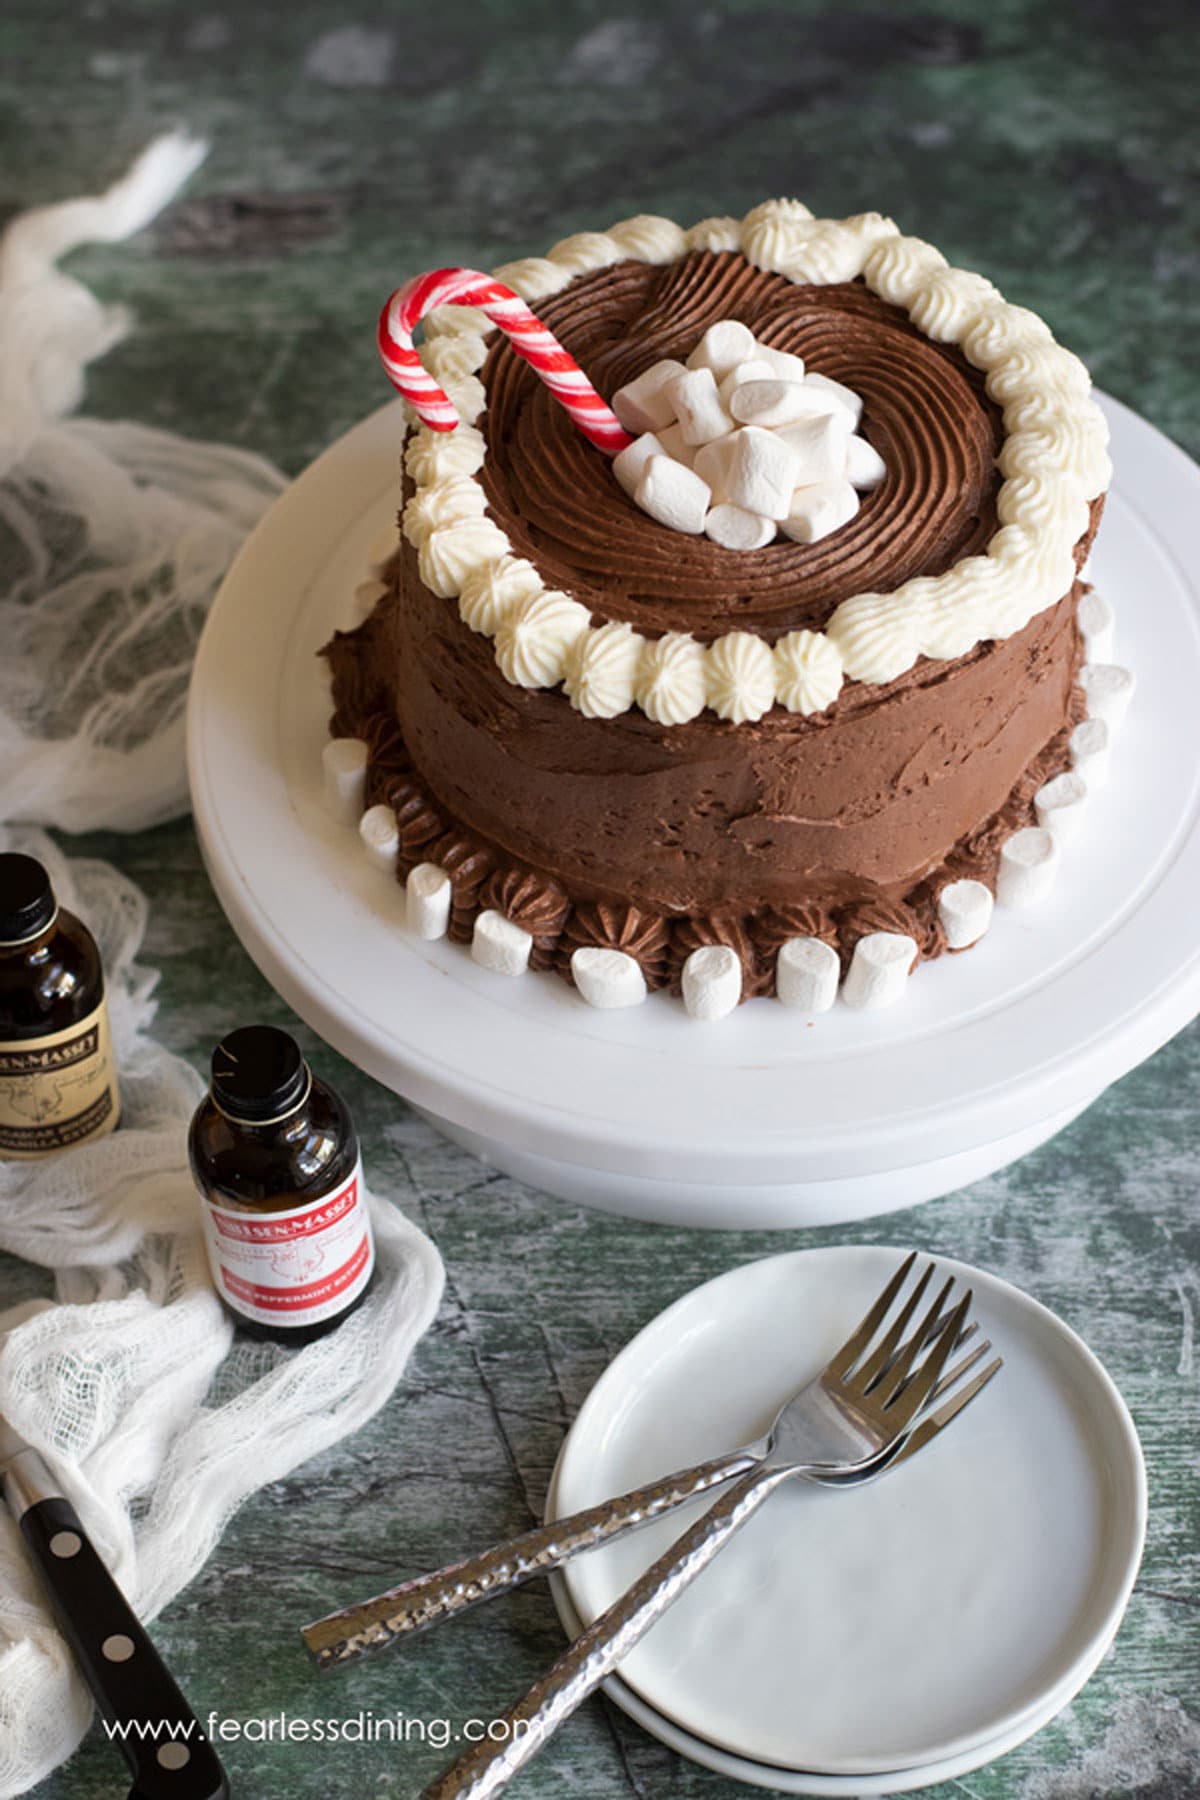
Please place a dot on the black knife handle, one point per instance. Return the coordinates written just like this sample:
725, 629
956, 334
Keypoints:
158, 1734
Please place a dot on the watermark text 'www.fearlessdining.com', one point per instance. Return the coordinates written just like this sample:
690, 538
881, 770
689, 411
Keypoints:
291, 1728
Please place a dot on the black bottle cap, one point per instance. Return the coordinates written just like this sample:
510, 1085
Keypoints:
258, 1074
26, 898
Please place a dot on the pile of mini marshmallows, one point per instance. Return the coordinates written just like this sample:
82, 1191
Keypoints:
741, 442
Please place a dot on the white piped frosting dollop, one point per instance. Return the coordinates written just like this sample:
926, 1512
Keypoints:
808, 672
601, 669
534, 636
671, 686
741, 677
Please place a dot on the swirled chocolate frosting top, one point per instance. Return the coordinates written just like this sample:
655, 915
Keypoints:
924, 409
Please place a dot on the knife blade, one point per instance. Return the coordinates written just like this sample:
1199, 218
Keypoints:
157, 1732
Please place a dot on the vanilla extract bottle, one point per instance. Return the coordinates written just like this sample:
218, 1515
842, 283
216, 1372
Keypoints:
275, 1156
58, 1082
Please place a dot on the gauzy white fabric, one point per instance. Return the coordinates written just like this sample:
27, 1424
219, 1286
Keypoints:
157, 1420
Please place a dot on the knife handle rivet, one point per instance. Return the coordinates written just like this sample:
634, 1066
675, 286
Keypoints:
66, 1543
117, 1648
173, 1756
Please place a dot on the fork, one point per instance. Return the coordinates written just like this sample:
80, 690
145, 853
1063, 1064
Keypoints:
400, 1612
849, 1424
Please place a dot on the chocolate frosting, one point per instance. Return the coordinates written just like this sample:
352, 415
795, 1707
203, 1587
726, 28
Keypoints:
924, 409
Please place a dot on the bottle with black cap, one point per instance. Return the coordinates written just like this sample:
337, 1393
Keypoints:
275, 1156
58, 1082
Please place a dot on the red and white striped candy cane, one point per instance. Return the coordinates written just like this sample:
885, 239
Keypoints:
525, 332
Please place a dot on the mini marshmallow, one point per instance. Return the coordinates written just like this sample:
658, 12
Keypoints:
817, 510
1109, 689
672, 440
383, 548
629, 465
781, 363
807, 972
714, 463
1089, 748
722, 347
1059, 805
754, 370
1028, 865
820, 442
670, 493
736, 529
427, 895
770, 403
965, 910
762, 473
499, 945
834, 390
381, 840
344, 765
712, 981
1097, 626
698, 406
879, 970
367, 596
642, 405
607, 978
864, 467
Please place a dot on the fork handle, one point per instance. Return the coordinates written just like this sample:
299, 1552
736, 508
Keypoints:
415, 1605
489, 1766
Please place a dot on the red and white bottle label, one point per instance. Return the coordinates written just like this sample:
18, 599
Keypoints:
293, 1268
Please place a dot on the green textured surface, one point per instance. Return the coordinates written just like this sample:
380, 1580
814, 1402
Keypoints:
1053, 146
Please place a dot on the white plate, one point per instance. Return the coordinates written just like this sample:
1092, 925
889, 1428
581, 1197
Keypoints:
800, 1781
920, 1618
765, 1119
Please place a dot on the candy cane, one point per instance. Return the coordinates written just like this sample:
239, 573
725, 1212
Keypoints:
525, 332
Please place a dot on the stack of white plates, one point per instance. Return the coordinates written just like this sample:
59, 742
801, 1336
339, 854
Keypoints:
882, 1638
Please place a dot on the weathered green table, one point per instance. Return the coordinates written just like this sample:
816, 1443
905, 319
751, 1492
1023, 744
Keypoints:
1053, 145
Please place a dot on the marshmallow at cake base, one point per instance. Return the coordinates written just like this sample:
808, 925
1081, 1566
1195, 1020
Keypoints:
1028, 866
629, 465
864, 468
1109, 689
1060, 805
879, 970
344, 770
723, 346
673, 495
816, 511
762, 474
697, 404
381, 839
499, 945
642, 405
1097, 627
736, 529
965, 912
606, 978
712, 982
807, 972
427, 895
1089, 747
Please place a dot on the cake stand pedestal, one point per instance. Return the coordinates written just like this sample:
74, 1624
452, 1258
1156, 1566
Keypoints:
765, 1119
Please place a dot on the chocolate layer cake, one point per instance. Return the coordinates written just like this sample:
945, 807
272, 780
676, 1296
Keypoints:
618, 736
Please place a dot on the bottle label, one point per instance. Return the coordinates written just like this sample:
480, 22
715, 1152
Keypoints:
58, 1090
293, 1268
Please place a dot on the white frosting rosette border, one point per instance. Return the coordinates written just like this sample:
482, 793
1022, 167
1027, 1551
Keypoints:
1054, 461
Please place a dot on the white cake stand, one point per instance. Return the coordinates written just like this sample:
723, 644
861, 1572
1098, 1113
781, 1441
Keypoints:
765, 1119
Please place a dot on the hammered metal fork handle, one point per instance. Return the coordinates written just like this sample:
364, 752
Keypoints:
428, 1599
489, 1766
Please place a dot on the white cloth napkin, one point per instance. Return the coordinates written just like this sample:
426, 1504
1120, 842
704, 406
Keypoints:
157, 1421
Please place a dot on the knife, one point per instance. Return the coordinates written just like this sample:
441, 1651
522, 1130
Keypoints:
160, 1736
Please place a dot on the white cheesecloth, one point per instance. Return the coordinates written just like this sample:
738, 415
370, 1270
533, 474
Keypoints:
157, 1421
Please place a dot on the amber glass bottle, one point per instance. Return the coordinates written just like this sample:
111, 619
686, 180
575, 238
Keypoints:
58, 1083
275, 1156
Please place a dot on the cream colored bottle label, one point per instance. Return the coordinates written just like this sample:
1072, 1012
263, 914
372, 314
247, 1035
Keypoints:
58, 1090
